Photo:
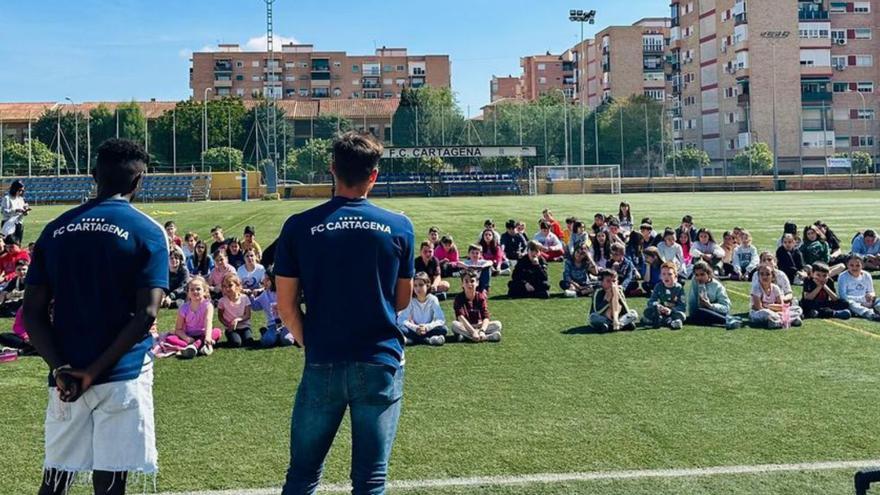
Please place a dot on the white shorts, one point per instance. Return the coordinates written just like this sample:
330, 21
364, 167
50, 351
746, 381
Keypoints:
110, 428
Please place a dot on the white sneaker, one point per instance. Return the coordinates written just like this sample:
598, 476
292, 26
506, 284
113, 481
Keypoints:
506, 271
206, 350
676, 324
436, 340
493, 337
570, 293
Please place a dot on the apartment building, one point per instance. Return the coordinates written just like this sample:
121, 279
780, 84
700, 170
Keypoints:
546, 74
503, 88
298, 72
744, 71
619, 62
622, 61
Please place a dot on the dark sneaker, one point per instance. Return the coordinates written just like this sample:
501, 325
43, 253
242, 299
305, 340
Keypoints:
843, 314
188, 352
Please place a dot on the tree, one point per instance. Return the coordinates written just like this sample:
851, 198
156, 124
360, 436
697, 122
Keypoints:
45, 130
224, 158
328, 125
862, 161
755, 159
690, 158
313, 159
43, 160
182, 128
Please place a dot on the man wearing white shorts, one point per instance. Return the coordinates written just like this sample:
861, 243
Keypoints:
93, 291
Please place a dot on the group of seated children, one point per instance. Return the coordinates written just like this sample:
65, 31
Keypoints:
228, 277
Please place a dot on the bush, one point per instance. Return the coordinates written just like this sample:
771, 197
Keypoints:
756, 159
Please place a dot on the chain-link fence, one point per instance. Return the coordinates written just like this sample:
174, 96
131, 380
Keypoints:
645, 137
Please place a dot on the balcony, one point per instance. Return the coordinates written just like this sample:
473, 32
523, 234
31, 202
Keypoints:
743, 99
371, 83
817, 125
740, 19
812, 15
653, 48
417, 82
744, 127
222, 83
817, 97
320, 65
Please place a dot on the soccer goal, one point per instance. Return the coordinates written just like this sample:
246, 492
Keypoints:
573, 179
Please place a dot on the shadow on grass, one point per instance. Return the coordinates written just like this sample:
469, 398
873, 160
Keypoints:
585, 330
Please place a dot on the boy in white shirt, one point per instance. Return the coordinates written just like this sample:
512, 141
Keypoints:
856, 287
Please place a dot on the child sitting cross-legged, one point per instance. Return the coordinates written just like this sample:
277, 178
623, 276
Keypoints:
475, 262
193, 333
708, 303
819, 299
235, 312
626, 271
274, 334
609, 311
422, 322
472, 313
577, 274
666, 306
857, 289
768, 307
426, 262
529, 278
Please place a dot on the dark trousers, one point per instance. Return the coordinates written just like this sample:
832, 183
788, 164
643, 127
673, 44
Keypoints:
19, 233
825, 309
517, 288
16, 342
239, 337
707, 317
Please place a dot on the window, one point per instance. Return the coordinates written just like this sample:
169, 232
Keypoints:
303, 65
387, 94
239, 77
337, 64
866, 141
400, 68
289, 65
841, 142
865, 87
862, 33
304, 92
542, 66
255, 63
387, 68
239, 64
730, 92
255, 78
838, 7
542, 80
731, 144
655, 94
355, 68
356, 82
356, 95
838, 62
337, 92
222, 91
840, 87
290, 78
730, 118
654, 76
320, 92
838, 36
239, 92
400, 82
862, 7
864, 60
865, 114
814, 33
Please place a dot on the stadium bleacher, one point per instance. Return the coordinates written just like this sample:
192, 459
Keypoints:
77, 189
447, 184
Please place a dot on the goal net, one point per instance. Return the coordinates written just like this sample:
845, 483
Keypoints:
574, 179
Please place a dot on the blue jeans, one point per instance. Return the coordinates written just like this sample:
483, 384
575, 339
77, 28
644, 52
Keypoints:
373, 392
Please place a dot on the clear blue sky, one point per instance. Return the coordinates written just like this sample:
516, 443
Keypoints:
128, 49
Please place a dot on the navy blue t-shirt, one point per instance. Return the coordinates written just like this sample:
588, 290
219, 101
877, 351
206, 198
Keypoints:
94, 258
348, 255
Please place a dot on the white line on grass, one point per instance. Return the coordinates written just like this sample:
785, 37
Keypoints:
575, 477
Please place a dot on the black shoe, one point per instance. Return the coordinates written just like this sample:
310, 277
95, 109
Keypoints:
812, 314
843, 314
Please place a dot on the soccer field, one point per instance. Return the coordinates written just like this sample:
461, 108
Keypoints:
548, 399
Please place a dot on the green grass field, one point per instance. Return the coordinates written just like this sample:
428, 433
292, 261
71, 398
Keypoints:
549, 398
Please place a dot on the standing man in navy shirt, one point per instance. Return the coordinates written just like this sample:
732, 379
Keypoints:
353, 263
104, 265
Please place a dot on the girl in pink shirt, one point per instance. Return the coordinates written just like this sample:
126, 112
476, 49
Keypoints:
235, 312
447, 254
193, 333
222, 268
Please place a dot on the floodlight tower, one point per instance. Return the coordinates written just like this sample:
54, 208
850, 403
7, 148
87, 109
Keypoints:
271, 115
582, 16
